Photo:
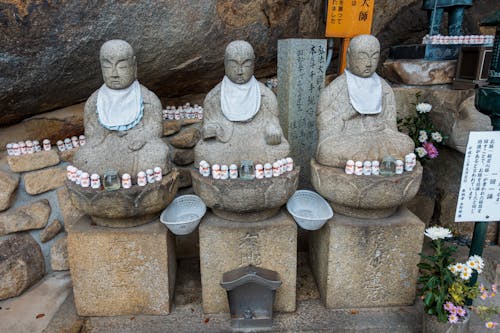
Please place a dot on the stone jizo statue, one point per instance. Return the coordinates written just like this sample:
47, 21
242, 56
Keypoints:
455, 9
356, 115
241, 115
122, 119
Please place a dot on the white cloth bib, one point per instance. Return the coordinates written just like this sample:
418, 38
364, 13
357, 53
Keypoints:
239, 102
365, 94
119, 107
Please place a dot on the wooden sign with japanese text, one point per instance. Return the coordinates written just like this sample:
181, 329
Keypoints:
479, 196
349, 18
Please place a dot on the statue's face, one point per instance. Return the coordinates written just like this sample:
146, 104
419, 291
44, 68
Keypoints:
118, 70
239, 68
363, 62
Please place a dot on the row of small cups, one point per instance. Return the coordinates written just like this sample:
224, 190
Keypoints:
468, 39
183, 112
262, 171
30, 147
368, 168
83, 179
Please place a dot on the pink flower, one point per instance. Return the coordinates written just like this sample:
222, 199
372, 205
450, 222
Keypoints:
494, 288
484, 295
431, 150
453, 318
449, 306
460, 311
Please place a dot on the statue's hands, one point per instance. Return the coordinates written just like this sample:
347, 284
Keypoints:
209, 131
272, 135
136, 145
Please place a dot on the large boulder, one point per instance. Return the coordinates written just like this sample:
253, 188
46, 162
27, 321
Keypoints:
21, 264
50, 51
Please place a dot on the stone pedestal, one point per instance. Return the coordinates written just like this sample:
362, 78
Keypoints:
301, 76
227, 245
367, 263
122, 271
419, 72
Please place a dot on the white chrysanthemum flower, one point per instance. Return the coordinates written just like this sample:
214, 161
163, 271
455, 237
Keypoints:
453, 269
423, 107
436, 136
437, 233
466, 273
422, 136
421, 152
476, 262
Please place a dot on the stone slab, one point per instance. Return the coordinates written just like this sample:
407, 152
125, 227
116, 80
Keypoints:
182, 156
67, 155
301, 76
9, 182
226, 245
419, 72
59, 255
70, 214
21, 264
65, 320
41, 181
171, 127
187, 138
367, 263
122, 271
31, 312
50, 231
30, 162
31, 216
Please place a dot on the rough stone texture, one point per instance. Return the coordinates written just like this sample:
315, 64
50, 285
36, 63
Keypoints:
424, 202
55, 125
8, 184
67, 155
50, 231
245, 200
125, 207
30, 162
225, 245
364, 196
69, 212
32, 311
122, 271
41, 181
187, 138
468, 119
65, 320
301, 76
183, 156
21, 264
419, 72
59, 255
28, 217
352, 259
64, 43
448, 172
453, 111
171, 127
185, 179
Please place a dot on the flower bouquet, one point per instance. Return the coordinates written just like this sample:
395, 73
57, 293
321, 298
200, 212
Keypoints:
445, 286
420, 128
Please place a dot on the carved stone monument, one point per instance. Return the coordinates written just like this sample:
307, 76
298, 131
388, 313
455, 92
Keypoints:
123, 126
356, 120
301, 76
246, 226
128, 269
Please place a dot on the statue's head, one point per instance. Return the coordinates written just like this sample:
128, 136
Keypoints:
239, 61
118, 64
363, 54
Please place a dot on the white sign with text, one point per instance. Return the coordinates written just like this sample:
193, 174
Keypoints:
479, 196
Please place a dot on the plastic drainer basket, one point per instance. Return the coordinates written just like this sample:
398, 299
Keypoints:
183, 214
309, 209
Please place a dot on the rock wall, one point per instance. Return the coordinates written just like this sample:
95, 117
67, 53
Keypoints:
49, 57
